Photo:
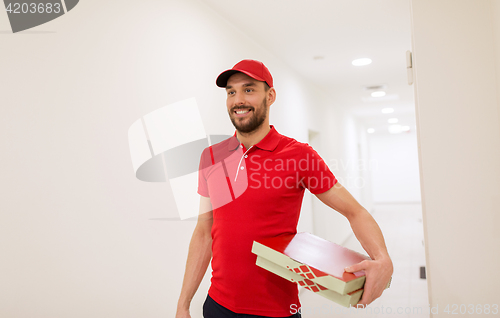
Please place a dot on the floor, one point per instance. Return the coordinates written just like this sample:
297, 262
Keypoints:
407, 296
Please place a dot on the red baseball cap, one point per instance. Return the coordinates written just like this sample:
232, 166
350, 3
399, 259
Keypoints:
255, 69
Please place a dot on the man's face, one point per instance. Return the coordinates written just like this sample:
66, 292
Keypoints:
246, 102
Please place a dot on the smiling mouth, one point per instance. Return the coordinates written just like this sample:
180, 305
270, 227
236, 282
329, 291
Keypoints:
242, 111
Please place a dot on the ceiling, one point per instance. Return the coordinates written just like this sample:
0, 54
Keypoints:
320, 38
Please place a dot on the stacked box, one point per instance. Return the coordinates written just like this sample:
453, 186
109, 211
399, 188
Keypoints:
313, 263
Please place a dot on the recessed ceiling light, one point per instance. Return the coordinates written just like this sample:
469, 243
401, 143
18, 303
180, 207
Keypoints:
378, 94
392, 120
388, 97
370, 130
387, 110
395, 129
361, 62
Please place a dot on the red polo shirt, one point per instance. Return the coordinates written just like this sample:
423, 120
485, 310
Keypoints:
256, 193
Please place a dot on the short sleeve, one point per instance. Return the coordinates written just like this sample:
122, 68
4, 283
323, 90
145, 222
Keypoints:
315, 175
205, 163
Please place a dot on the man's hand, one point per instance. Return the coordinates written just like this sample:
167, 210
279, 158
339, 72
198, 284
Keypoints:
378, 274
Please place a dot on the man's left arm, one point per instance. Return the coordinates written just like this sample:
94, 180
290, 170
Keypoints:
379, 269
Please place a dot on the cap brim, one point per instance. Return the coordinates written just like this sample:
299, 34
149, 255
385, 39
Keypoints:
224, 76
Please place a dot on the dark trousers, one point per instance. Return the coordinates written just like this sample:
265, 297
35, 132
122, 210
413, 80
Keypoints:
211, 309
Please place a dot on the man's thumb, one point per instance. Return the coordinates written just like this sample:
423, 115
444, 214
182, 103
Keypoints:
355, 268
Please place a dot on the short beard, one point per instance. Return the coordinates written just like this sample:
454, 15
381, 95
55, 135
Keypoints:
254, 122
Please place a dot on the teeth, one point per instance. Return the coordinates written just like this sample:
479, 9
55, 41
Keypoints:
242, 111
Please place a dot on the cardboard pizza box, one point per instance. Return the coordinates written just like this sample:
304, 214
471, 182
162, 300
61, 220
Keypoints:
315, 259
350, 299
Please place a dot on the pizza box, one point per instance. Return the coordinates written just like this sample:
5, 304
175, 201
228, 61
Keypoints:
350, 299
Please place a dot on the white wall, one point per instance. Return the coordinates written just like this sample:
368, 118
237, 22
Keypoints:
458, 127
339, 145
495, 11
80, 235
366, 167
394, 167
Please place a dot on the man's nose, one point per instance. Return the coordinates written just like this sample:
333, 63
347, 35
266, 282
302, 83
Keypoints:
239, 99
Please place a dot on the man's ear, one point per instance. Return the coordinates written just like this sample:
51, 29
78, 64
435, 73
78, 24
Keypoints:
271, 96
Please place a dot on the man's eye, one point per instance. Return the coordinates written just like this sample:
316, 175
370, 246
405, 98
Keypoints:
230, 93
248, 90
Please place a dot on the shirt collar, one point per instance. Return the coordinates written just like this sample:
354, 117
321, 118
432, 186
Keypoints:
233, 143
269, 142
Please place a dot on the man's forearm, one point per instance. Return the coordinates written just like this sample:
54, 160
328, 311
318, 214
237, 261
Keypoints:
362, 223
378, 270
368, 234
199, 255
